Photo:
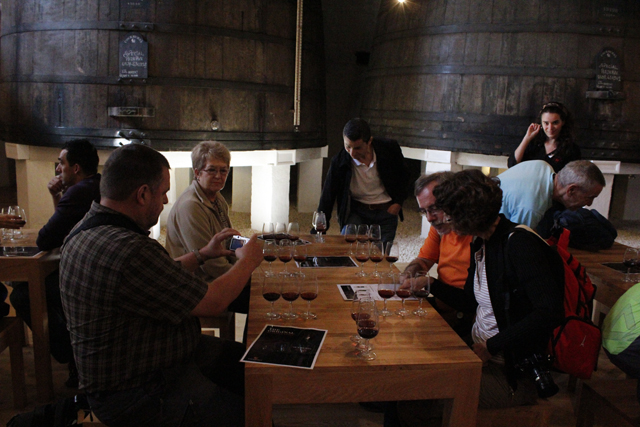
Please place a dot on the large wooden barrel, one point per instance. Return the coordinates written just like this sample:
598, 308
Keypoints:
470, 75
225, 64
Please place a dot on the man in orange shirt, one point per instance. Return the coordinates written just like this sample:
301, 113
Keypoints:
443, 247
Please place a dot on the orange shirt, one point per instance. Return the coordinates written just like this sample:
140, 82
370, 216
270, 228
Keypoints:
451, 252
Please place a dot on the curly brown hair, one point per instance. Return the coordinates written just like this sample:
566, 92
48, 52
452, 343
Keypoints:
471, 200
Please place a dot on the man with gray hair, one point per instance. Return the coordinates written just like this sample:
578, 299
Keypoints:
531, 188
443, 246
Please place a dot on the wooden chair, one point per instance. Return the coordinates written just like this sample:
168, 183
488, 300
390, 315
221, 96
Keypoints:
12, 336
614, 402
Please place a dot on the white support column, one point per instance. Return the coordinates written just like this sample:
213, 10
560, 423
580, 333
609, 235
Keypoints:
241, 189
32, 178
603, 201
270, 194
309, 185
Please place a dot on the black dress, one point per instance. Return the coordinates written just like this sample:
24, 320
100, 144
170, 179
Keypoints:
538, 152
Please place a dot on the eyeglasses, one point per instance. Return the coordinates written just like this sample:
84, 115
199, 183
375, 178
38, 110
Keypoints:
215, 171
431, 210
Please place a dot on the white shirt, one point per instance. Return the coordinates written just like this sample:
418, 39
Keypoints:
366, 185
485, 325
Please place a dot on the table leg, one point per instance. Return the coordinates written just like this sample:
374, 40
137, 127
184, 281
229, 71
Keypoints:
463, 408
40, 330
258, 398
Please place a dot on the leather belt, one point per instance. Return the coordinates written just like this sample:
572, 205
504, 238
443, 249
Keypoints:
373, 207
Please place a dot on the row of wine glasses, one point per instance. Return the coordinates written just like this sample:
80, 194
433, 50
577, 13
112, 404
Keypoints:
630, 260
280, 230
285, 251
290, 287
9, 233
404, 285
375, 251
362, 233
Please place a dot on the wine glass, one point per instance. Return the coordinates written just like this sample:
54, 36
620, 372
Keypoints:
281, 231
403, 290
387, 289
290, 292
293, 231
349, 232
270, 254
268, 231
299, 252
368, 328
362, 256
420, 288
375, 233
285, 253
309, 292
376, 254
271, 291
362, 233
320, 224
17, 211
630, 260
391, 254
360, 297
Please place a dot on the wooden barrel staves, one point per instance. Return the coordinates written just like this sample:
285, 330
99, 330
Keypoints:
470, 75
219, 70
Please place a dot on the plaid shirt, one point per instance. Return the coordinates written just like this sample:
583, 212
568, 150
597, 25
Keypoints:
128, 306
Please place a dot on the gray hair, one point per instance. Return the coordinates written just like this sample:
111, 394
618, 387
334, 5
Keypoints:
582, 173
427, 179
209, 150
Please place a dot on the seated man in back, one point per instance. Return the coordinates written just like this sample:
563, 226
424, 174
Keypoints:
132, 310
442, 246
531, 188
73, 190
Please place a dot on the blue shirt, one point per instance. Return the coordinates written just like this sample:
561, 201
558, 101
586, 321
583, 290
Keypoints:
527, 192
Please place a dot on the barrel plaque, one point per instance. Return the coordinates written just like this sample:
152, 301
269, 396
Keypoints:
134, 57
608, 75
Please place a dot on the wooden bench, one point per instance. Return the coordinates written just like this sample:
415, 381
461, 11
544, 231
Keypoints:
613, 402
12, 336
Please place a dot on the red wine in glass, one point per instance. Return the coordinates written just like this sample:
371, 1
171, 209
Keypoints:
270, 258
290, 296
359, 316
309, 296
271, 296
386, 293
391, 259
285, 258
403, 293
300, 258
362, 258
366, 328
350, 238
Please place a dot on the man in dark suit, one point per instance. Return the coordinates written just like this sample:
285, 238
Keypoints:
369, 181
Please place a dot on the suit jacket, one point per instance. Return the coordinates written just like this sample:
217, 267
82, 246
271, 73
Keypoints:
391, 168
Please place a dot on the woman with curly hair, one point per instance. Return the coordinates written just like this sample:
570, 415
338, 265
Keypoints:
514, 288
555, 144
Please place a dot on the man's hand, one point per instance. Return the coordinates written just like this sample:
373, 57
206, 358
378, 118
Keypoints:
480, 349
394, 209
251, 252
215, 248
55, 186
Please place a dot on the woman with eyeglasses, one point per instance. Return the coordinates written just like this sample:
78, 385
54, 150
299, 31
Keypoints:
201, 211
554, 144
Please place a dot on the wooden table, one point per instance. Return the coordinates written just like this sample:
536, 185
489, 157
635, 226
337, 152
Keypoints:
417, 358
610, 283
34, 270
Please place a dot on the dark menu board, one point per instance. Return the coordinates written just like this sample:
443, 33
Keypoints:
608, 71
134, 57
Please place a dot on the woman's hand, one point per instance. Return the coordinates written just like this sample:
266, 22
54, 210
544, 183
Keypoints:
532, 131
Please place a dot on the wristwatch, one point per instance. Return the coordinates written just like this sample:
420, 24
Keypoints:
196, 252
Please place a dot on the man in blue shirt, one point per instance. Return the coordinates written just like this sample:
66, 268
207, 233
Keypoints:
531, 188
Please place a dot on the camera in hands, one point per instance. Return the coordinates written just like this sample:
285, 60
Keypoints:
237, 242
537, 366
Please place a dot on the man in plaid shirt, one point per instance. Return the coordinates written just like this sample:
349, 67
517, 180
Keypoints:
132, 310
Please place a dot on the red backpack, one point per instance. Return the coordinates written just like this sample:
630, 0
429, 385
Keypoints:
575, 344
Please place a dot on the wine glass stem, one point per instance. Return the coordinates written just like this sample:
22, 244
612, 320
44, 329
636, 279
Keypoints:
308, 308
273, 309
385, 305
291, 308
420, 304
365, 350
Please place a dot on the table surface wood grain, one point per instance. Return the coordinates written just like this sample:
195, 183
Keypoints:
417, 358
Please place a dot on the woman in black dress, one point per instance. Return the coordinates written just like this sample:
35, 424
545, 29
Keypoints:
554, 144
